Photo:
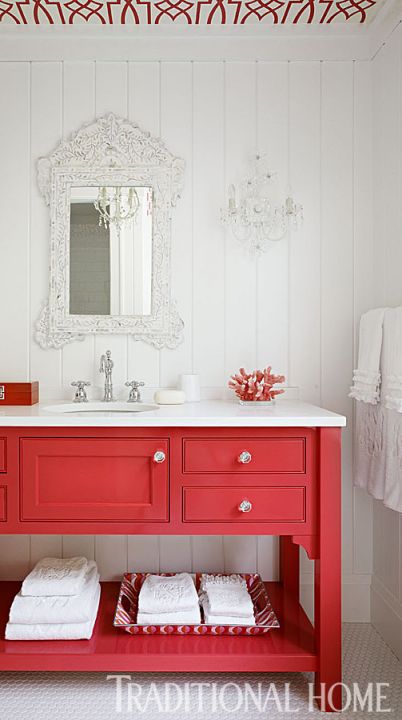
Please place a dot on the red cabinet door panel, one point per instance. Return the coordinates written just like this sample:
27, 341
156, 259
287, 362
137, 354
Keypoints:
221, 504
93, 479
3, 464
3, 503
268, 455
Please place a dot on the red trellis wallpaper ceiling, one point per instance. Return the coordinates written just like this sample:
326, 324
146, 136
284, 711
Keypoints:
190, 12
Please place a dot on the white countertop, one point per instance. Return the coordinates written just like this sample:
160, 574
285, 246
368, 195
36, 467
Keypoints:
207, 413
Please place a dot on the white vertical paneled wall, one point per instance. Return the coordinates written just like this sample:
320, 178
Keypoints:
295, 307
387, 249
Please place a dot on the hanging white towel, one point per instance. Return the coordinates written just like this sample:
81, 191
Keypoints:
370, 448
45, 609
378, 433
378, 453
392, 398
56, 576
181, 617
226, 600
161, 594
393, 465
367, 377
392, 359
55, 631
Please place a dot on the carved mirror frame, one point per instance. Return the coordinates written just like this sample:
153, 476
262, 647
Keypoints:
110, 151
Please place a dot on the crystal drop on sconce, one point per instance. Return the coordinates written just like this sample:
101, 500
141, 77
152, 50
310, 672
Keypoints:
116, 205
255, 218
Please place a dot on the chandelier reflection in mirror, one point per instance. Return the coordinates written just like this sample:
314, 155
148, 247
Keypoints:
253, 214
116, 205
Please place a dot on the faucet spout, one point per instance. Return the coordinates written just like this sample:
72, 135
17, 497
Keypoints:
106, 366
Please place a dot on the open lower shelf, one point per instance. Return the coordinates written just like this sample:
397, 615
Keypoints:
288, 648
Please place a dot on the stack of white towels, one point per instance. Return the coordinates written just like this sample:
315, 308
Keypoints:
58, 600
168, 601
174, 600
226, 601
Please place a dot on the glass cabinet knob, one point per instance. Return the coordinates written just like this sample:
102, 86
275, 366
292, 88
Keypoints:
244, 457
245, 506
159, 456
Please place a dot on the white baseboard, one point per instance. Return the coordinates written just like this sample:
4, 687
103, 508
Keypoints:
356, 606
386, 615
356, 602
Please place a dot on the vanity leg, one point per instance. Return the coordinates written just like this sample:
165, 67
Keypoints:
327, 590
289, 564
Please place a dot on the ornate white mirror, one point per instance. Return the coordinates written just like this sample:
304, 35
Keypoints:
111, 189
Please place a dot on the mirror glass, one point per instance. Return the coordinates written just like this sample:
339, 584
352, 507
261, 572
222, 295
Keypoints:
110, 251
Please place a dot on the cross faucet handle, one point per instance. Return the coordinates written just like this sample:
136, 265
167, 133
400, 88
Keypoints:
80, 393
135, 395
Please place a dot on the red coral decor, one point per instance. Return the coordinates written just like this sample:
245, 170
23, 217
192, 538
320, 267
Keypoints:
257, 386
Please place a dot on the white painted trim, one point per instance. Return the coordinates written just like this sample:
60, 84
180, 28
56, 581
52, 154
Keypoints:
356, 605
392, 601
100, 32
75, 43
303, 42
386, 615
384, 25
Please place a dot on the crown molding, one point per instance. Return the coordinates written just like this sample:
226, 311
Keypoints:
384, 25
201, 43
183, 43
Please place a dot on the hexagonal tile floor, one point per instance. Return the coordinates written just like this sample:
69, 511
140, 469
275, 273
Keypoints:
82, 696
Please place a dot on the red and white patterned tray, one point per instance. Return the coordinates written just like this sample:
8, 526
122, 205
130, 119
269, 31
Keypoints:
127, 607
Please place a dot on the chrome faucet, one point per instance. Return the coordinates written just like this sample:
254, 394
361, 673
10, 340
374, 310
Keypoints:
106, 366
135, 392
80, 394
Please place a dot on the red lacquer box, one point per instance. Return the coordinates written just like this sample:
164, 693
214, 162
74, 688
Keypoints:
19, 393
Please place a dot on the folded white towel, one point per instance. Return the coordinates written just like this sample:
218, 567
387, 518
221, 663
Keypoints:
56, 576
367, 377
160, 594
55, 631
182, 617
233, 580
392, 359
228, 600
228, 619
30, 610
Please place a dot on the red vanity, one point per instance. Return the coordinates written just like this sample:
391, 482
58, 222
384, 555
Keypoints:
211, 468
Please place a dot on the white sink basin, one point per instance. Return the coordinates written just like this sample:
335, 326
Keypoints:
101, 407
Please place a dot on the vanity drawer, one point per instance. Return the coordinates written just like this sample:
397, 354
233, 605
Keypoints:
3, 503
222, 504
82, 479
3, 463
261, 455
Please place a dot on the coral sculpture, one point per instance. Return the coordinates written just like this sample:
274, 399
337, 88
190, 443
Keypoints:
256, 386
